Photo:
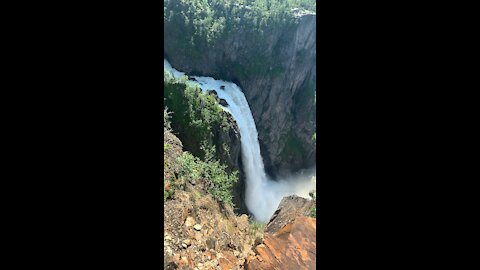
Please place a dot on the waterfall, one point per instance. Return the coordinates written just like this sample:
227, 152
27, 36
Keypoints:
262, 195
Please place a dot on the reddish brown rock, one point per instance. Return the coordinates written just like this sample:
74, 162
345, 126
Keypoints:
229, 256
225, 264
289, 208
291, 247
167, 186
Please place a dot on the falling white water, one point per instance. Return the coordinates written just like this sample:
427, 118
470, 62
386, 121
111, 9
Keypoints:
262, 195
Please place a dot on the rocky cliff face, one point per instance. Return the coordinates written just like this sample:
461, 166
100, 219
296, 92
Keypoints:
292, 247
232, 159
289, 208
275, 70
199, 232
289, 240
223, 135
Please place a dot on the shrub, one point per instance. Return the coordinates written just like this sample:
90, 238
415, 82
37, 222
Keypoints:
255, 226
166, 120
313, 212
194, 114
169, 194
218, 182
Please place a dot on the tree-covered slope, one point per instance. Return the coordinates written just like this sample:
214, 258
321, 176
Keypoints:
268, 49
207, 132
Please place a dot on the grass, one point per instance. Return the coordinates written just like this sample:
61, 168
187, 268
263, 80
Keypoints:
255, 227
218, 182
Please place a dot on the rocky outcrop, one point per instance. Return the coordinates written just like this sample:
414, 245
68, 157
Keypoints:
172, 150
289, 238
231, 138
275, 70
232, 158
222, 133
291, 247
200, 233
289, 208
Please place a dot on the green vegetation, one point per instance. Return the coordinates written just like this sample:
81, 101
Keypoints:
293, 147
208, 20
166, 146
255, 226
166, 120
217, 181
198, 120
196, 117
259, 65
198, 25
313, 210
172, 186
168, 194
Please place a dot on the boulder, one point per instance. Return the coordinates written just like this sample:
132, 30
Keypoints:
289, 208
213, 93
292, 247
223, 102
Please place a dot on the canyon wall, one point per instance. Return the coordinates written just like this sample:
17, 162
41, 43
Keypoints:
276, 71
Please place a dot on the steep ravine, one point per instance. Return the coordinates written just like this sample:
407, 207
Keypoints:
262, 195
276, 72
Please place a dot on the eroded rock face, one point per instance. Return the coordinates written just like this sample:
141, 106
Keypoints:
291, 247
276, 71
233, 159
289, 238
171, 153
289, 208
199, 234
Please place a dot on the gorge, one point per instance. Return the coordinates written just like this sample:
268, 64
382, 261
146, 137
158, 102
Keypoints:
274, 65
262, 194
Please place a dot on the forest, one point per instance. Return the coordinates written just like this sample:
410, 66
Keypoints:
208, 20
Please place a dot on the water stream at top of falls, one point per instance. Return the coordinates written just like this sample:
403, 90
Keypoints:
262, 195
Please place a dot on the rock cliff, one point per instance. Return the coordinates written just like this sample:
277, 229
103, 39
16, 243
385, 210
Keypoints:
289, 240
201, 233
291, 247
224, 135
289, 208
276, 71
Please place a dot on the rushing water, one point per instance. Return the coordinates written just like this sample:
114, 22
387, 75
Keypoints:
262, 195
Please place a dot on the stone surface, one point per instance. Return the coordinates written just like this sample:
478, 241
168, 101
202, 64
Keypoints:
223, 102
289, 208
189, 221
242, 222
211, 243
223, 234
292, 247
